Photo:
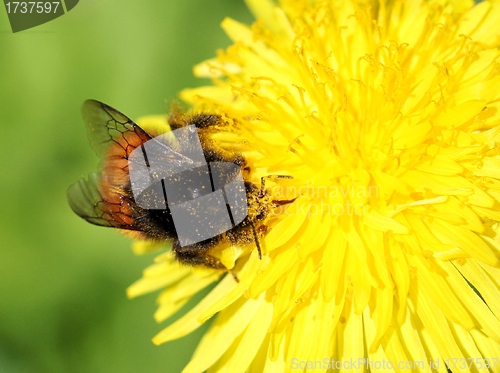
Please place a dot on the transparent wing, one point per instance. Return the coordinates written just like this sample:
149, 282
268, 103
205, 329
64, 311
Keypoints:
107, 126
114, 135
88, 201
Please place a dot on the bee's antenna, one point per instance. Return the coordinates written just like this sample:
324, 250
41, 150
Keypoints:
256, 240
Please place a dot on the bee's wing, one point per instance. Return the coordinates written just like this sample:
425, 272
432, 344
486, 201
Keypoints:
102, 199
107, 127
86, 200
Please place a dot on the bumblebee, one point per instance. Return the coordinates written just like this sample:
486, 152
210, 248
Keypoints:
106, 198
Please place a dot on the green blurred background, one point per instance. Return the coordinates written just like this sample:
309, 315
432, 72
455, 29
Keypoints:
62, 298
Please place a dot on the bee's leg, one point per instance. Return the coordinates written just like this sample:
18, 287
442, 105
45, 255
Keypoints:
234, 276
263, 189
263, 182
195, 255
256, 238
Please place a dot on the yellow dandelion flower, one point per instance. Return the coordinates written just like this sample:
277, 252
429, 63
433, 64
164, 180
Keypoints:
387, 115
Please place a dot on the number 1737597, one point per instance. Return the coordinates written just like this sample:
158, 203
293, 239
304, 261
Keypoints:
32, 6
